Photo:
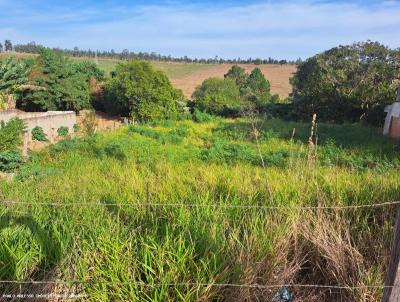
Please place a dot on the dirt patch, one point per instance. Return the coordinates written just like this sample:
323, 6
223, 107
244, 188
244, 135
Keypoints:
104, 121
278, 75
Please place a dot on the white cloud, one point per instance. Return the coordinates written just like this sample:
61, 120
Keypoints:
282, 30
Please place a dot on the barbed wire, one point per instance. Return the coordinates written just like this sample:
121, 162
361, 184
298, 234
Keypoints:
198, 205
258, 286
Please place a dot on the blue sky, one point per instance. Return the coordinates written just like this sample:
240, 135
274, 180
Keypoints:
228, 29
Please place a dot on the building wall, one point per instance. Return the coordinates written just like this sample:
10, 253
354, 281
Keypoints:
49, 121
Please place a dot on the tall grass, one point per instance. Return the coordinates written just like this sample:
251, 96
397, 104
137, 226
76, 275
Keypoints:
135, 253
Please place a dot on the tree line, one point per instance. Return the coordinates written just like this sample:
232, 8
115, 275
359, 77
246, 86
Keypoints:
35, 48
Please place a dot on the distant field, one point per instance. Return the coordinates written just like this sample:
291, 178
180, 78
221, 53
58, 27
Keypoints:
187, 76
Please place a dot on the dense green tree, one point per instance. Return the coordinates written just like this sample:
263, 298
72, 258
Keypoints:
217, 96
258, 84
347, 83
238, 74
89, 70
136, 89
13, 73
59, 85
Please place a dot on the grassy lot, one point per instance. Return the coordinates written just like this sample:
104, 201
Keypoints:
132, 252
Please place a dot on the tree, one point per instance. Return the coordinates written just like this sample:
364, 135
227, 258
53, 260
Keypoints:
257, 91
139, 91
258, 84
1, 47
13, 73
89, 70
238, 74
347, 83
217, 96
8, 45
62, 85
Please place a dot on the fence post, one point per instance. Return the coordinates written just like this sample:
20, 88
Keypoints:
392, 293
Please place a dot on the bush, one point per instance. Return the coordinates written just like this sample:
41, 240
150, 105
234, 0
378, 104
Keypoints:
89, 123
10, 160
38, 134
63, 131
10, 139
139, 91
11, 135
217, 96
201, 117
76, 128
174, 136
115, 150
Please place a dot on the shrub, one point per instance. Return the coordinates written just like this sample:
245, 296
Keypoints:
10, 139
223, 151
63, 131
217, 96
201, 117
139, 91
115, 150
174, 136
10, 160
76, 128
89, 123
38, 134
11, 134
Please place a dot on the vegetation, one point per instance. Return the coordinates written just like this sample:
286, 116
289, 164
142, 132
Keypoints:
347, 83
38, 134
13, 73
170, 208
238, 94
58, 84
217, 96
63, 131
10, 140
115, 250
139, 91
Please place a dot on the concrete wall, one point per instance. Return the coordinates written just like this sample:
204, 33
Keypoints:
50, 121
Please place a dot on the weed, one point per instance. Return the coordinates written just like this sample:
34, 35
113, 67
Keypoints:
63, 131
38, 134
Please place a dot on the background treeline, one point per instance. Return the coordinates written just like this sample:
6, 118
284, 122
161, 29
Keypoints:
34, 48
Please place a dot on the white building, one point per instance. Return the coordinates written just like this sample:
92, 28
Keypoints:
392, 121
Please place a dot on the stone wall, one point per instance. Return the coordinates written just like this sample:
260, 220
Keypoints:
49, 121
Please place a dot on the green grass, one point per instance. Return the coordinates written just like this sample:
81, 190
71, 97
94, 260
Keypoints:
115, 249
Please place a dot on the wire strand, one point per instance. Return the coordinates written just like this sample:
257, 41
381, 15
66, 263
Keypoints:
259, 286
194, 205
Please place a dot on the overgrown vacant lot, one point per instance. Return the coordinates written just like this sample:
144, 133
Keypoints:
120, 250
